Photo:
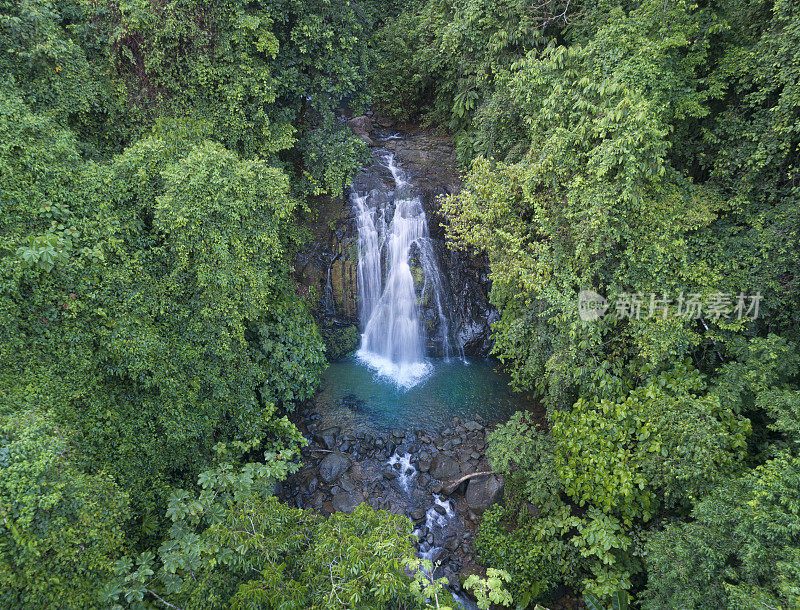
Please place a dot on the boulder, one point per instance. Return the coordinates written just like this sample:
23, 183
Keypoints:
444, 467
327, 438
346, 501
484, 491
332, 467
362, 127
418, 515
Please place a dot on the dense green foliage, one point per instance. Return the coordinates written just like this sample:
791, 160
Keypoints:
631, 149
157, 163
157, 160
235, 545
62, 528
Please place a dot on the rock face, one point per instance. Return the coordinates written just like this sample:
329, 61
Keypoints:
484, 491
333, 466
328, 268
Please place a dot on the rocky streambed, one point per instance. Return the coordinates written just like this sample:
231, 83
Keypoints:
406, 472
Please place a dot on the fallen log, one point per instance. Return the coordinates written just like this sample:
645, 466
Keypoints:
448, 487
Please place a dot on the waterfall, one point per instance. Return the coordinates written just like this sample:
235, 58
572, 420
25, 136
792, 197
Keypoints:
392, 230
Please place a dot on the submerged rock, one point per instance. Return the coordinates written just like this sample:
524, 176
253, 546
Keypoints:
327, 438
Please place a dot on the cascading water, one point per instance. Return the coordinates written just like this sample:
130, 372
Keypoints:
391, 230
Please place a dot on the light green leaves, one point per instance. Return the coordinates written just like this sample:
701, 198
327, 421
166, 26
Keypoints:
43, 252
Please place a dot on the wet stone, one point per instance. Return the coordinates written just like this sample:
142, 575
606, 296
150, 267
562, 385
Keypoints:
444, 467
347, 501
347, 483
332, 466
418, 514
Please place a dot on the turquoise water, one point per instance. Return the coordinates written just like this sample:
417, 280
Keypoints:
352, 391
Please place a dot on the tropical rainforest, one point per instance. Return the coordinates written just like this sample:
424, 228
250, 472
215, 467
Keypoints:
159, 164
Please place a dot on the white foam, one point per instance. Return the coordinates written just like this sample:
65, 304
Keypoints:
404, 375
405, 465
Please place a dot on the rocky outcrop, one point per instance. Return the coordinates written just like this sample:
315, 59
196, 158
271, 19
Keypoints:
400, 471
328, 268
362, 127
347, 464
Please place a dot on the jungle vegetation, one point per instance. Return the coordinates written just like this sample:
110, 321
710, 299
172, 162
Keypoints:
159, 163
648, 152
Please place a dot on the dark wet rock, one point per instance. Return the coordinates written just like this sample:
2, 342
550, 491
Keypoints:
452, 578
362, 127
327, 438
444, 467
417, 515
424, 480
347, 483
484, 491
332, 466
346, 501
440, 509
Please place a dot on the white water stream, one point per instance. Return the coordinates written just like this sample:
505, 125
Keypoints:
392, 231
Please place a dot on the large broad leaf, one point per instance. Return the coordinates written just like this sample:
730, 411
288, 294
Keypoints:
592, 602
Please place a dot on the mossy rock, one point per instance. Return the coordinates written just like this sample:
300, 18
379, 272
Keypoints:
340, 342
